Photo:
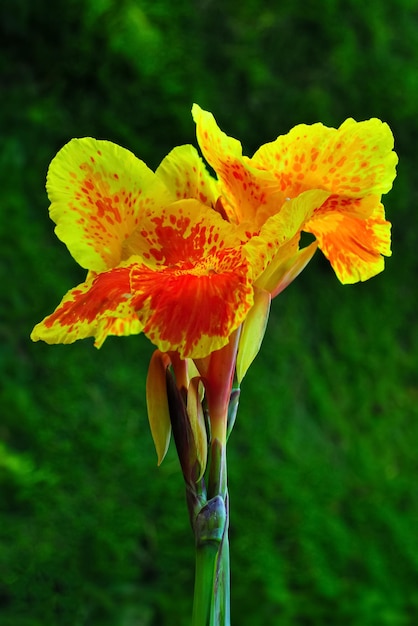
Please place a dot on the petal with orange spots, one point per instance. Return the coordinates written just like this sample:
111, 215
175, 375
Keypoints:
246, 189
192, 285
353, 160
184, 232
354, 246
97, 308
184, 172
98, 192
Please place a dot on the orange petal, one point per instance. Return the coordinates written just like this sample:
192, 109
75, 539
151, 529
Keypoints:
97, 308
157, 403
218, 380
355, 160
193, 307
184, 172
354, 246
98, 191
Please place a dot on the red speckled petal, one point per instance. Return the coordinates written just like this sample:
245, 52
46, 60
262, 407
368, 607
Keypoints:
355, 160
194, 286
189, 289
97, 308
184, 232
193, 308
98, 191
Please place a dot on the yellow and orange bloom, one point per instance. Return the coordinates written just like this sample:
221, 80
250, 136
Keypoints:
193, 261
181, 256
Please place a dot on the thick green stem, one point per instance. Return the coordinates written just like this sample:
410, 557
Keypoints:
206, 559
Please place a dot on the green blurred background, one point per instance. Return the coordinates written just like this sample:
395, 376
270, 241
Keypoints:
323, 458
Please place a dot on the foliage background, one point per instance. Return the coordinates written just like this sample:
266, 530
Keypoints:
323, 456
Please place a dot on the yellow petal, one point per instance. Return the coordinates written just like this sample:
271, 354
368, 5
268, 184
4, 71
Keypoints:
157, 403
276, 240
354, 246
192, 370
197, 423
252, 333
99, 307
98, 192
211, 139
247, 190
354, 160
184, 172
284, 269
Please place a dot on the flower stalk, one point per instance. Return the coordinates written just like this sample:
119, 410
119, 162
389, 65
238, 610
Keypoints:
205, 475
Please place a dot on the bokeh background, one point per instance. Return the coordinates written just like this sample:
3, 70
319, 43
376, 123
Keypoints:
323, 458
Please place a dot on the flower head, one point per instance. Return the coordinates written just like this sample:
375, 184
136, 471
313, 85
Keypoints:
184, 258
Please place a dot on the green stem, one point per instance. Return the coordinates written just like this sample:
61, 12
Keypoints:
206, 558
222, 598
211, 604
212, 588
